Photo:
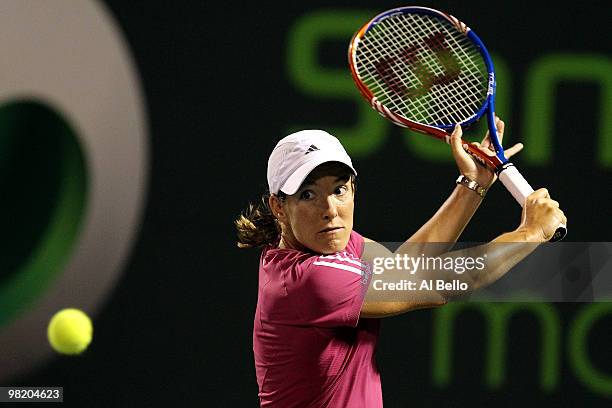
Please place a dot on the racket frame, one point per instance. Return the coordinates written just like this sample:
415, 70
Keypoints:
443, 133
507, 172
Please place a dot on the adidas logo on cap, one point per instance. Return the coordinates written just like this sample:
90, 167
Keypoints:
312, 148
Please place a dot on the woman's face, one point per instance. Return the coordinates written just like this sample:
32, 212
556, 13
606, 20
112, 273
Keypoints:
319, 216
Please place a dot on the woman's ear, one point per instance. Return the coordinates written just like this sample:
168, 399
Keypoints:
276, 206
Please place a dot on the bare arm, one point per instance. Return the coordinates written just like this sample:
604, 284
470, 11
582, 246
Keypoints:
541, 216
447, 224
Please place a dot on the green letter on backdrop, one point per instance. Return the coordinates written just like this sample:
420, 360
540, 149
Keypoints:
310, 77
542, 78
578, 348
497, 316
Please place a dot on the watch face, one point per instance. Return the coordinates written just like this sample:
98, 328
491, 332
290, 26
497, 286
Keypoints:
74, 156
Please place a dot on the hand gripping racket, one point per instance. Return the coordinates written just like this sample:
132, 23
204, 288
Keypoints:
426, 70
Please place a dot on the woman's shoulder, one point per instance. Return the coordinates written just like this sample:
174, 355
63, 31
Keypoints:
284, 257
355, 244
272, 253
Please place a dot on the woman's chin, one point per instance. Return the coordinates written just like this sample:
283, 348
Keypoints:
331, 246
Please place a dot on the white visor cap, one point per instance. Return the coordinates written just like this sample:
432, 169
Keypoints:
296, 155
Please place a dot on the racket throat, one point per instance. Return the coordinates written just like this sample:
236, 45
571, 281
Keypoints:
504, 166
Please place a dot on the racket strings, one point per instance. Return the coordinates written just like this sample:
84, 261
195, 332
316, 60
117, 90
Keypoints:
460, 96
389, 40
397, 33
435, 67
397, 61
390, 36
384, 49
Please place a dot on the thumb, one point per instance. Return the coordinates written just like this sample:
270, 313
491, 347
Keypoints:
457, 143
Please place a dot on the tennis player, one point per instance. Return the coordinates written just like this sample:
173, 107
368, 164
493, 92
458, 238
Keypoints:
316, 323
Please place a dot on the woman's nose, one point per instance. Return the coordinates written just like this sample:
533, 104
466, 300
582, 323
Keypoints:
331, 208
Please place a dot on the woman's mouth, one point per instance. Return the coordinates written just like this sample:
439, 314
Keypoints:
330, 230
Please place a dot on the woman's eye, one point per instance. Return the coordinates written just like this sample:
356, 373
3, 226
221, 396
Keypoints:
306, 195
340, 190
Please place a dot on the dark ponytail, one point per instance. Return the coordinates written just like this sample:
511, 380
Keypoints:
257, 226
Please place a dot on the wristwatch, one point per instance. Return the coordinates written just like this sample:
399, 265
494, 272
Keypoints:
472, 185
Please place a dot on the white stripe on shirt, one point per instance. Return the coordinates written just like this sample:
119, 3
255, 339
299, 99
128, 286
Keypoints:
340, 257
339, 266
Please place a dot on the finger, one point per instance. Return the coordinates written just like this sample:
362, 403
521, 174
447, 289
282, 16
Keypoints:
561, 216
486, 150
499, 130
455, 139
513, 150
483, 148
554, 205
501, 126
540, 193
458, 146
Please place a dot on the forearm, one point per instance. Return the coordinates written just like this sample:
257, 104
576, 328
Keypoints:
499, 257
502, 254
450, 220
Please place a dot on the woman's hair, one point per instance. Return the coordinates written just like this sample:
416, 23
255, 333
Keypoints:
258, 227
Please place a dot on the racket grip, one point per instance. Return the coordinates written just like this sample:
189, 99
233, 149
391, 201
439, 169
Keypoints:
516, 184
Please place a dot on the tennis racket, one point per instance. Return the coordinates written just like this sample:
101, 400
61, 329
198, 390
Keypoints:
427, 71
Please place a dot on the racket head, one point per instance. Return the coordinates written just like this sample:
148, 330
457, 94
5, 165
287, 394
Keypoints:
425, 70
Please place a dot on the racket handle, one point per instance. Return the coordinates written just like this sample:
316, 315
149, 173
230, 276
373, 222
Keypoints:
515, 183
520, 189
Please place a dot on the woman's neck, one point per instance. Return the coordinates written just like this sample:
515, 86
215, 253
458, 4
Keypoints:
288, 241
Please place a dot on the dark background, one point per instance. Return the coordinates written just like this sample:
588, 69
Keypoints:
179, 324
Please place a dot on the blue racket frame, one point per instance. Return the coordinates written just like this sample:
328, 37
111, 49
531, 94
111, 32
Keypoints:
507, 172
488, 107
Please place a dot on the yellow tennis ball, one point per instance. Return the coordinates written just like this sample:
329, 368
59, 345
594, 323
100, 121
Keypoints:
70, 331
